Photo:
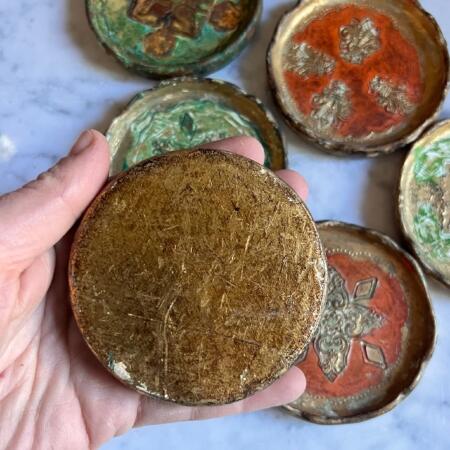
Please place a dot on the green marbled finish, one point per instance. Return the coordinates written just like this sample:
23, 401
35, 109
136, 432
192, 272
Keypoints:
185, 113
431, 168
183, 126
207, 52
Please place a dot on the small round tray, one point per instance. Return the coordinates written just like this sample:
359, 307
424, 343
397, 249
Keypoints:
165, 38
424, 202
184, 277
186, 113
365, 76
376, 334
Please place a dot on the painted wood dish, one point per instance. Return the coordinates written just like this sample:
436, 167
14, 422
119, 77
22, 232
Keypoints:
186, 113
359, 76
197, 277
424, 204
165, 38
376, 334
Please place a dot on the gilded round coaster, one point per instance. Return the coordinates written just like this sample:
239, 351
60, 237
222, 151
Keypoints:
197, 277
164, 38
376, 334
186, 113
425, 200
359, 76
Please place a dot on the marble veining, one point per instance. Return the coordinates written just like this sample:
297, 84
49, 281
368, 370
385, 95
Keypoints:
55, 81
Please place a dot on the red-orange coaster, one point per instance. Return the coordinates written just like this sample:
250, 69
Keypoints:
359, 75
376, 333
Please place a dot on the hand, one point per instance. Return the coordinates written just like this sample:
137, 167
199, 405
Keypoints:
53, 392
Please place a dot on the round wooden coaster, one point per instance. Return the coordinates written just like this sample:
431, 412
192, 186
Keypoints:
424, 201
376, 334
197, 277
359, 76
185, 113
166, 38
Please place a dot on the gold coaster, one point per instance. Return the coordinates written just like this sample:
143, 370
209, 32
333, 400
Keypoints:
197, 277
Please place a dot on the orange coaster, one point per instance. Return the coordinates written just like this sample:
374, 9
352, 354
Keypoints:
376, 332
360, 75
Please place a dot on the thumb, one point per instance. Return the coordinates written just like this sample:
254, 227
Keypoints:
37, 216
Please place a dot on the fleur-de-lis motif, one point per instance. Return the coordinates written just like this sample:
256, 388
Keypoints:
306, 61
340, 100
332, 106
359, 40
394, 99
346, 317
172, 18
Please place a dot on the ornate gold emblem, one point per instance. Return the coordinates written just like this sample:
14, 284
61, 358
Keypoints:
172, 18
394, 99
332, 106
306, 61
359, 40
438, 197
347, 317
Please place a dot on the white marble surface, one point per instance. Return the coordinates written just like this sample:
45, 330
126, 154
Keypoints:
56, 81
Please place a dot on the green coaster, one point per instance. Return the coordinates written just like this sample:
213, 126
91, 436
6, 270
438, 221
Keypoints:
164, 38
185, 113
425, 200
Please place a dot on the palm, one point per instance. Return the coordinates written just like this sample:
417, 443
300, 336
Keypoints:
53, 384
53, 392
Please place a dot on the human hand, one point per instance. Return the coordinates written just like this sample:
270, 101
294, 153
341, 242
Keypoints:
53, 392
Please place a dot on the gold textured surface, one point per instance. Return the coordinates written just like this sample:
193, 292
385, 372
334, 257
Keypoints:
197, 277
419, 29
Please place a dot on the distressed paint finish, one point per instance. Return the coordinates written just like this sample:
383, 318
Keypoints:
391, 57
186, 113
359, 60
174, 37
377, 319
376, 333
185, 125
432, 220
425, 200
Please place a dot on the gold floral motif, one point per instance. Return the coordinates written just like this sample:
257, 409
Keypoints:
332, 106
226, 16
347, 317
394, 99
306, 61
439, 198
359, 40
172, 18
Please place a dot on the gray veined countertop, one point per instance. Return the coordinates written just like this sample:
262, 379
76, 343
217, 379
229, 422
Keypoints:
56, 81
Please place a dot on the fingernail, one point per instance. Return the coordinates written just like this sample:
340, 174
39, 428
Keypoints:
84, 142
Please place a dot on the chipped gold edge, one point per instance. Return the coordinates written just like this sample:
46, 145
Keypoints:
409, 239
387, 241
208, 65
114, 181
178, 83
345, 149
